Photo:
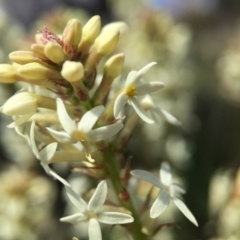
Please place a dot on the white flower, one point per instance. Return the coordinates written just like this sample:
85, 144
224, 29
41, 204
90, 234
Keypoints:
154, 111
83, 132
45, 155
169, 191
92, 213
132, 89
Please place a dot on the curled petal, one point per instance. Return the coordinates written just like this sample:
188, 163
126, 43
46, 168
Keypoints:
167, 116
76, 218
160, 204
184, 209
78, 202
47, 153
61, 136
165, 174
146, 88
142, 71
176, 189
120, 102
114, 218
140, 111
94, 230
106, 132
98, 198
20, 120
147, 176
55, 175
67, 123
32, 140
89, 119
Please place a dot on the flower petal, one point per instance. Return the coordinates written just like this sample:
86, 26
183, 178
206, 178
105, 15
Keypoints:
78, 202
146, 88
160, 204
184, 209
75, 218
140, 111
32, 140
61, 136
167, 116
176, 189
131, 78
114, 218
67, 123
55, 175
98, 198
142, 71
94, 230
46, 154
20, 120
120, 102
147, 176
165, 174
89, 119
105, 132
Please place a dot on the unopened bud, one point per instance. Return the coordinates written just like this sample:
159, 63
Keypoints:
20, 104
54, 52
38, 50
112, 69
22, 57
90, 32
119, 26
106, 42
71, 36
34, 72
72, 71
91, 29
114, 65
7, 74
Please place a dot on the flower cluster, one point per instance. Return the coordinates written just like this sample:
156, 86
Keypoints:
67, 116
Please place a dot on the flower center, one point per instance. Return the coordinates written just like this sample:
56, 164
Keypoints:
91, 214
79, 136
130, 91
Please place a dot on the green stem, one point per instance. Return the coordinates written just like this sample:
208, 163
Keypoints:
113, 170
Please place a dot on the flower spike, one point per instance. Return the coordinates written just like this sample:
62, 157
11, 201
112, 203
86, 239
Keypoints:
169, 191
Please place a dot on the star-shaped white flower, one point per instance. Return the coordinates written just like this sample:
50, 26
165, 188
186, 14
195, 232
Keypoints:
134, 88
45, 155
169, 191
155, 111
92, 213
83, 132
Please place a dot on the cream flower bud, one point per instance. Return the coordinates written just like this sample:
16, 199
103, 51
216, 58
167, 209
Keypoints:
22, 57
54, 52
33, 71
91, 29
106, 42
120, 26
72, 35
20, 104
7, 74
114, 65
72, 71
38, 50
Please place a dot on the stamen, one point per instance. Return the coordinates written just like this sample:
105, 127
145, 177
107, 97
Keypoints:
79, 136
130, 91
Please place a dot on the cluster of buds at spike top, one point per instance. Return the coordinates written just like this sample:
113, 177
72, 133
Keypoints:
80, 48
